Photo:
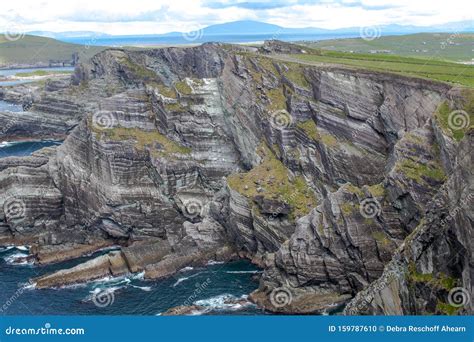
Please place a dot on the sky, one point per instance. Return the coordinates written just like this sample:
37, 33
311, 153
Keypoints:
128, 17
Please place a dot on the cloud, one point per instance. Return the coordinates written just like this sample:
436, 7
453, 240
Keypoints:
160, 16
266, 5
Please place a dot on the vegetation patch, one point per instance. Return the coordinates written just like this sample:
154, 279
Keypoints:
419, 67
183, 88
347, 208
310, 129
277, 99
381, 238
419, 172
446, 308
271, 179
377, 190
138, 70
353, 189
145, 140
42, 73
329, 140
296, 75
455, 123
440, 281
165, 91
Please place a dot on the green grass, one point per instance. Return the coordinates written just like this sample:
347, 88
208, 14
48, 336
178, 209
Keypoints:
377, 190
441, 280
145, 140
420, 172
273, 177
41, 73
140, 71
443, 116
183, 88
310, 129
424, 45
425, 68
381, 238
295, 74
446, 309
40, 50
277, 99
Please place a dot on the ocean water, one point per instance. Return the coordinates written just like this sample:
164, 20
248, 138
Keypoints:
209, 286
10, 107
197, 38
24, 148
20, 148
6, 73
216, 287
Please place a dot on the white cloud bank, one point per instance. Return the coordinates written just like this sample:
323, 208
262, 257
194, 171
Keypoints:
160, 16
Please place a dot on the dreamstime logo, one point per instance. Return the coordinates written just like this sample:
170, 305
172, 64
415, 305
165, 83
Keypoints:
458, 297
14, 31
370, 33
280, 119
192, 208
369, 207
103, 120
14, 208
449, 41
193, 34
458, 119
280, 297
103, 298
452, 214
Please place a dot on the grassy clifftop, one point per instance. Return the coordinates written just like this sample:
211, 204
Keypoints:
447, 46
33, 50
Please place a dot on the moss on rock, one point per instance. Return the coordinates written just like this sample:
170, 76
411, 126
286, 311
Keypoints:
271, 179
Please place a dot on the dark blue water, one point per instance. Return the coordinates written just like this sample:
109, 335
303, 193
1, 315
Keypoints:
24, 148
208, 286
200, 38
10, 107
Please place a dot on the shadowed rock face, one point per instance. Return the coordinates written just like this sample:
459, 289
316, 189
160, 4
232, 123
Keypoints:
323, 176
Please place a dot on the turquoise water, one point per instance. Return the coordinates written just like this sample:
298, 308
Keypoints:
10, 107
24, 148
13, 72
208, 286
198, 39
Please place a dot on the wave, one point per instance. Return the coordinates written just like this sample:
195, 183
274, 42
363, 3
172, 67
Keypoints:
143, 288
19, 258
180, 280
224, 302
213, 262
105, 291
6, 248
186, 269
243, 272
28, 286
6, 144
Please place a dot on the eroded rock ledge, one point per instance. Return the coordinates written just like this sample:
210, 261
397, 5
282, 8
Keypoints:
323, 176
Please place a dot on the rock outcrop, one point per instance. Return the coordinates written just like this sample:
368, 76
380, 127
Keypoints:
326, 177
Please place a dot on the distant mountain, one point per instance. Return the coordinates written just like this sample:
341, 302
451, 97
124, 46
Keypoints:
250, 27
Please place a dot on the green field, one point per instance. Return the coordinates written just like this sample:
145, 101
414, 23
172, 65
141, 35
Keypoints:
41, 73
40, 50
425, 68
445, 46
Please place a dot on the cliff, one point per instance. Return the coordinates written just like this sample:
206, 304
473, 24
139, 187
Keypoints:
329, 178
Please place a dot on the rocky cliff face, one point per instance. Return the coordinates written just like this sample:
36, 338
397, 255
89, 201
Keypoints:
328, 178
